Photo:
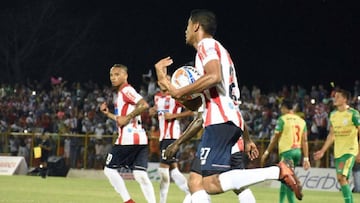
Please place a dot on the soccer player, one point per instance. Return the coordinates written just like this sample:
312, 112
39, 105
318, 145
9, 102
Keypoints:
131, 146
290, 136
169, 111
344, 132
222, 119
237, 161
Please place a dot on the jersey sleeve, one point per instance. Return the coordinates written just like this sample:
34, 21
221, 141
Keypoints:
330, 122
356, 118
305, 128
207, 50
130, 95
279, 125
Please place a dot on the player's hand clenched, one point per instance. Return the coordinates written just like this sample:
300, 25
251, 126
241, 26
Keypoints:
171, 150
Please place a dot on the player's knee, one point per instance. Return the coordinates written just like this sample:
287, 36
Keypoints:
195, 183
141, 176
212, 184
109, 171
164, 174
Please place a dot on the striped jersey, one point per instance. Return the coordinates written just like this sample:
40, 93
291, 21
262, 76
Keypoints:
238, 146
292, 128
221, 100
164, 103
132, 133
345, 128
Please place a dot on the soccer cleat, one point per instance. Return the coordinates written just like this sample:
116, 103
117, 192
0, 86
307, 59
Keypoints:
287, 176
130, 201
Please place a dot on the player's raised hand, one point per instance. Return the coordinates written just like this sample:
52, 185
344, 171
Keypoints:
163, 63
104, 108
161, 67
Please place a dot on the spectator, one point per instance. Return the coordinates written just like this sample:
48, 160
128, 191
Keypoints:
245, 93
17, 102
23, 150
99, 131
67, 148
320, 119
13, 145
100, 154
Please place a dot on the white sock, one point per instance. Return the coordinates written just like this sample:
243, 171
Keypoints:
200, 197
236, 179
145, 184
180, 180
246, 196
164, 183
117, 182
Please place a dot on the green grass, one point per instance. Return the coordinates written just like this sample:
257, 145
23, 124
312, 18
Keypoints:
33, 189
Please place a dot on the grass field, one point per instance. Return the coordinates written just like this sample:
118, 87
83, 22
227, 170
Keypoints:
33, 189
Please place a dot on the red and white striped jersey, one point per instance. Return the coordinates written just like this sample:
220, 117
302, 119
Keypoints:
221, 100
125, 103
169, 129
238, 146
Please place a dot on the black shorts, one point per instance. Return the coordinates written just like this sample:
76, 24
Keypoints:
238, 160
128, 156
163, 145
214, 149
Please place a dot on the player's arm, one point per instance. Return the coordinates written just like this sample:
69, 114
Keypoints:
105, 110
305, 150
45, 147
328, 142
273, 142
358, 155
250, 147
191, 131
141, 106
246, 135
212, 77
153, 111
161, 72
356, 121
171, 116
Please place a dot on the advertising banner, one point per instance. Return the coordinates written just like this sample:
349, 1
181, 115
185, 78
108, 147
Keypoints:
10, 165
317, 179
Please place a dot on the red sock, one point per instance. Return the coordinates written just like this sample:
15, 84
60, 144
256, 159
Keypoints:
130, 201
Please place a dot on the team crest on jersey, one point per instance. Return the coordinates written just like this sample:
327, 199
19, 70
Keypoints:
231, 105
345, 122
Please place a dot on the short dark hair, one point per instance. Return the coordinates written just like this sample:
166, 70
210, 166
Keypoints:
206, 19
346, 94
118, 65
287, 103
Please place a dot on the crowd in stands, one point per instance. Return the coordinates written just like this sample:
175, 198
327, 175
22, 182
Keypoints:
73, 109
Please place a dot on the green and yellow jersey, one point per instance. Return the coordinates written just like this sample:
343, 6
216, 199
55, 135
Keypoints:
291, 128
344, 125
